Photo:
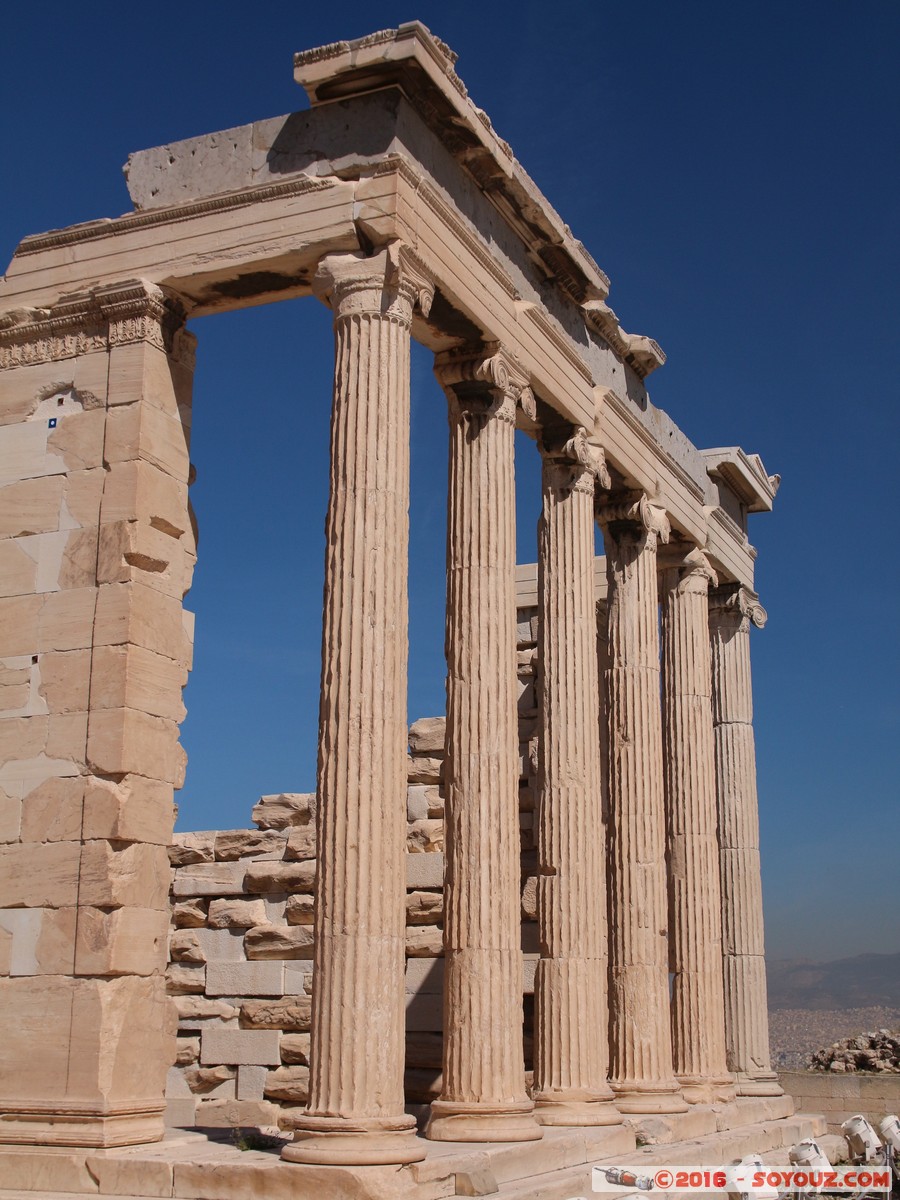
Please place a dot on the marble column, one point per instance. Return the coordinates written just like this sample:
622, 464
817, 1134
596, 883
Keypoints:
356, 1113
732, 610
695, 911
483, 1096
642, 1074
571, 1053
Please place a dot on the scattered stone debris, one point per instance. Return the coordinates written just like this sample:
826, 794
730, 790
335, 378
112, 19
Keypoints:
879, 1051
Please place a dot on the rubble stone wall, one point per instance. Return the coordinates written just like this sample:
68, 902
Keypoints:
841, 1096
241, 943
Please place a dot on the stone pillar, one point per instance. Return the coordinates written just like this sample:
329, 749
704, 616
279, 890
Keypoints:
483, 1096
571, 1053
642, 1076
97, 552
732, 609
356, 1113
695, 913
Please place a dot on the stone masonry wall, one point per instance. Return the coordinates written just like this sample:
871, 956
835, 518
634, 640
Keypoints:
241, 943
840, 1097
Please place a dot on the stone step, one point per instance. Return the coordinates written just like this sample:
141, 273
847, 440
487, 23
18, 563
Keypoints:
574, 1182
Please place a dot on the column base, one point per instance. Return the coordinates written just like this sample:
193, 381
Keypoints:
458, 1121
764, 1084
573, 1108
707, 1089
634, 1096
349, 1142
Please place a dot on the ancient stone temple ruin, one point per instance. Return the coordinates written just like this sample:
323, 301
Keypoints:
590, 797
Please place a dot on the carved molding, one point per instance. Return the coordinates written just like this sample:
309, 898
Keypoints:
91, 230
94, 321
738, 601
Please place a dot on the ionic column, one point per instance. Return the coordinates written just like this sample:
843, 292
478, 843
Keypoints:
483, 1096
571, 1053
732, 608
642, 1076
695, 915
355, 1111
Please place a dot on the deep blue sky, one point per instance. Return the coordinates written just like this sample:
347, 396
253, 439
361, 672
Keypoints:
734, 168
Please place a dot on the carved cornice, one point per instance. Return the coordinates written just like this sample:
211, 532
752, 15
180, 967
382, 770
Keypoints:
738, 602
356, 283
641, 353
92, 230
559, 340
635, 510
96, 320
487, 377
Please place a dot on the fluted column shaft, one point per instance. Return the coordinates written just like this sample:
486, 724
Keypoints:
483, 1096
642, 1075
355, 1111
571, 1052
695, 914
732, 609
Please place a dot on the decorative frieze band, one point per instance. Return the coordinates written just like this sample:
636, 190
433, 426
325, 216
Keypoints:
94, 321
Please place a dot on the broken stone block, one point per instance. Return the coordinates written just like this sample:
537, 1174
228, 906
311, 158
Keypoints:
185, 979
300, 910
133, 677
198, 1008
132, 809
420, 769
189, 914
124, 941
242, 843
291, 1013
424, 908
426, 736
51, 812
285, 809
31, 506
529, 898
301, 843
207, 1079
210, 879
139, 491
189, 848
38, 941
65, 680
115, 874
280, 877
425, 837
251, 1082
122, 740
295, 1048
424, 941
39, 875
279, 941
187, 1050
288, 1083
184, 946
134, 614
236, 914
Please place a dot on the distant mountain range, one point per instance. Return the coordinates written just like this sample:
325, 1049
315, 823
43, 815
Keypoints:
868, 980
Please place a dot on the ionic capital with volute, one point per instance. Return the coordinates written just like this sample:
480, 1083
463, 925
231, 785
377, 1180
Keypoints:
738, 602
484, 381
572, 463
685, 568
634, 514
391, 284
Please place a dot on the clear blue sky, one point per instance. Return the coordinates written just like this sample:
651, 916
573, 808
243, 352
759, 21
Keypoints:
734, 168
